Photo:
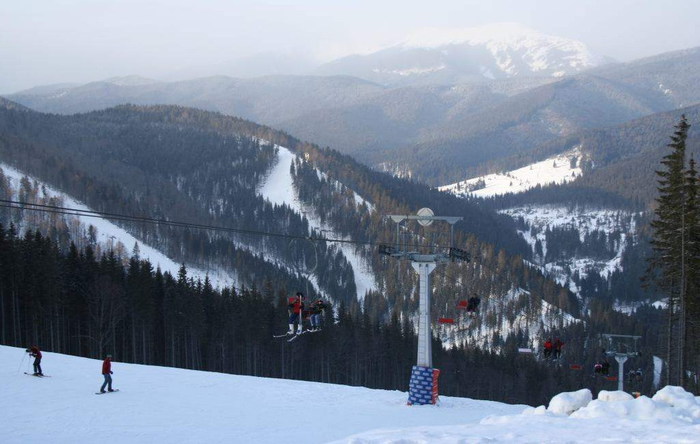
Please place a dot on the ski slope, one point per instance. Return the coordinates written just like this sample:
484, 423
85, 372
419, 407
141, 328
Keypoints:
166, 405
278, 188
109, 234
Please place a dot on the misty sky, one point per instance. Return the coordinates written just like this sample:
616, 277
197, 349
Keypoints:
56, 41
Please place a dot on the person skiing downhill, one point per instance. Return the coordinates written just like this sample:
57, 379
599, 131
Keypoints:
107, 373
296, 309
36, 354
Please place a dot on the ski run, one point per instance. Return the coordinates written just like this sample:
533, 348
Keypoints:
167, 405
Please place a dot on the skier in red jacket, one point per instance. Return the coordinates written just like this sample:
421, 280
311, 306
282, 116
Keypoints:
556, 348
548, 348
107, 373
296, 308
36, 354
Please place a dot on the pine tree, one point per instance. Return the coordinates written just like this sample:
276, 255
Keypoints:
691, 303
668, 262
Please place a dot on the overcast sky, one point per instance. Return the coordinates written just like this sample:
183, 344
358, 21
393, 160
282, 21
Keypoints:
55, 41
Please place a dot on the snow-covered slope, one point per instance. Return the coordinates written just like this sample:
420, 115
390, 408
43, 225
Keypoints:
475, 332
166, 405
278, 188
617, 227
110, 236
558, 169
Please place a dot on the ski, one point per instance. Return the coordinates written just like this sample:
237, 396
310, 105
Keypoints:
104, 393
38, 376
282, 336
297, 335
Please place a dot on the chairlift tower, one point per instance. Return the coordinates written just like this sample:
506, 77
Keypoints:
424, 264
621, 347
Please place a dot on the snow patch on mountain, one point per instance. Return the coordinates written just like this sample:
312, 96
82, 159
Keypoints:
491, 322
509, 43
411, 71
618, 228
112, 237
279, 189
558, 169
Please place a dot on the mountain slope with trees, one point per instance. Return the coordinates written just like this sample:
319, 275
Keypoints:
440, 133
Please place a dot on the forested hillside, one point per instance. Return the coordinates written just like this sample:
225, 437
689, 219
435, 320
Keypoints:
74, 302
193, 166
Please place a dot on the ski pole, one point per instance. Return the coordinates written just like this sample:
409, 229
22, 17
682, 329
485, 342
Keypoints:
20, 363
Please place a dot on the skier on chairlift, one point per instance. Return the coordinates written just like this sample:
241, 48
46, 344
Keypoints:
296, 310
547, 349
316, 313
473, 305
556, 348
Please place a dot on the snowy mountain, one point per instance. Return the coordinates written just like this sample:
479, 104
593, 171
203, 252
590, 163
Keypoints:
447, 56
161, 404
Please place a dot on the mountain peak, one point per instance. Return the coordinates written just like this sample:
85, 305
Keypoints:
457, 55
494, 32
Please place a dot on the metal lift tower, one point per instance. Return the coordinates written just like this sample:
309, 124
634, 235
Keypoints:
621, 347
423, 376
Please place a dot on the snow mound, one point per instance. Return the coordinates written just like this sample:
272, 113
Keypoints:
568, 402
681, 400
669, 405
607, 396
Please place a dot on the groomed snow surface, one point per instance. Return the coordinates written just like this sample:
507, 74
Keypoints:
167, 405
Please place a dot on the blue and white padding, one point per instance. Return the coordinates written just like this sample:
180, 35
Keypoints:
423, 387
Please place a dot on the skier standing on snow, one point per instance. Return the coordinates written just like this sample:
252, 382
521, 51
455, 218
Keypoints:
107, 373
36, 354
296, 309
317, 309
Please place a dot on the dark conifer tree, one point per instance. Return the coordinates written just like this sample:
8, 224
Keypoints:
668, 263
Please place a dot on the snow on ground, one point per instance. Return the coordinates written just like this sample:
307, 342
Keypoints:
109, 235
554, 170
670, 416
161, 404
278, 188
166, 405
